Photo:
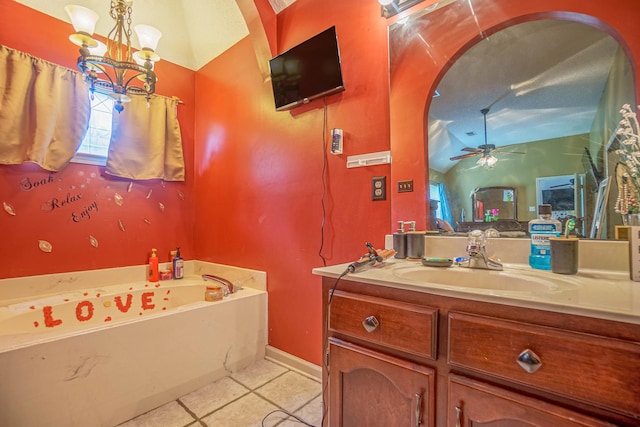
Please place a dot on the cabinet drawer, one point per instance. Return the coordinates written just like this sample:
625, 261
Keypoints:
598, 370
402, 326
473, 403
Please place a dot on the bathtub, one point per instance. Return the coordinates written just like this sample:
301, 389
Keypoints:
98, 356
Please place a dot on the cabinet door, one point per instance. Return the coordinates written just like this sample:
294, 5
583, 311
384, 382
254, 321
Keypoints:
475, 404
370, 389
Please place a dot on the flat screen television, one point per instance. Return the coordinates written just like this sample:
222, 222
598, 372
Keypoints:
307, 71
560, 199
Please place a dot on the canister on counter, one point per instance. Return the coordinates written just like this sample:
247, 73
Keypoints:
400, 241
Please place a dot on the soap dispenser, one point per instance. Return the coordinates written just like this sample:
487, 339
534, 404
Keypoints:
400, 241
154, 275
415, 242
178, 265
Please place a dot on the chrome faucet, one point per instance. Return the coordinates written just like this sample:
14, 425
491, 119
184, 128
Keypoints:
227, 285
476, 248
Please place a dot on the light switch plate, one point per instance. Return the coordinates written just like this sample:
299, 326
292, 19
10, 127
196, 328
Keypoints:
405, 186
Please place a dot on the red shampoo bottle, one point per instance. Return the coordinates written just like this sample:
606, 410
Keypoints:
154, 276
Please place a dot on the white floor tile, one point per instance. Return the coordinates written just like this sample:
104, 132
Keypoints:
244, 400
258, 374
290, 391
169, 415
247, 411
310, 414
213, 396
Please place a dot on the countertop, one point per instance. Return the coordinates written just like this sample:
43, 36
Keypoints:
594, 293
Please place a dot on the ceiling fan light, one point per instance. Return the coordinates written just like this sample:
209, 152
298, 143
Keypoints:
482, 161
491, 161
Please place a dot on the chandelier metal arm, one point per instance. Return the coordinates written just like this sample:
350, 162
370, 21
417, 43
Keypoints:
116, 72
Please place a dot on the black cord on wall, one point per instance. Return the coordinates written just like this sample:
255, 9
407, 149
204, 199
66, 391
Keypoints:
324, 182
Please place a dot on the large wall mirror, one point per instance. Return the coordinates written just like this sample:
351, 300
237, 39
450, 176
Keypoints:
491, 94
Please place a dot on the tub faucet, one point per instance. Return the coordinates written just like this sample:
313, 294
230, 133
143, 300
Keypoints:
476, 248
227, 285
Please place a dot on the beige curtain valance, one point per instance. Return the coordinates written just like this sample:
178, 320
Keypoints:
146, 142
44, 111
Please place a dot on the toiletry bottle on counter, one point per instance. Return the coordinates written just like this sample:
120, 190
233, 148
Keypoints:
154, 275
400, 241
540, 230
178, 265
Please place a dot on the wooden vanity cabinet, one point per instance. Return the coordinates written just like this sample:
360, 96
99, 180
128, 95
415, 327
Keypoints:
474, 403
396, 357
368, 388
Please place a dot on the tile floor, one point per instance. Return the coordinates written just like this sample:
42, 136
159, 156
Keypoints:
243, 399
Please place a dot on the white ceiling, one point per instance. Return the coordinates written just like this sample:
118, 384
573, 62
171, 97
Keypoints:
193, 31
541, 80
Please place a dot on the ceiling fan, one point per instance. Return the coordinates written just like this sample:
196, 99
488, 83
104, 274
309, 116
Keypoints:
485, 151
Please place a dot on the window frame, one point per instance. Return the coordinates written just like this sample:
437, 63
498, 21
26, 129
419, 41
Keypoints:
92, 158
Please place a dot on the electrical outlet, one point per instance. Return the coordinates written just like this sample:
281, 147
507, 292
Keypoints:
379, 188
405, 186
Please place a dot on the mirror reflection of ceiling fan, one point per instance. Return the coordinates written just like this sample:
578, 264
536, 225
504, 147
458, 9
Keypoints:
485, 151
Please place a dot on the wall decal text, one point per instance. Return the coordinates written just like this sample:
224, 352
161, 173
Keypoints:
85, 213
28, 184
57, 203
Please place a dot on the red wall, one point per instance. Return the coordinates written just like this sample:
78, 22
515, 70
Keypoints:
260, 172
256, 178
53, 209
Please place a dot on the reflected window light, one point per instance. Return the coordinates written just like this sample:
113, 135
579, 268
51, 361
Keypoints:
95, 145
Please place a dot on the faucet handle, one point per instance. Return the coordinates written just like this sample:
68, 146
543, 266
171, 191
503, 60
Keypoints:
477, 238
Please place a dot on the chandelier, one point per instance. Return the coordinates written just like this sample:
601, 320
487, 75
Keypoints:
113, 68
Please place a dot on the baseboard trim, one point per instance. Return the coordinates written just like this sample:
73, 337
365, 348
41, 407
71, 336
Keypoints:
294, 363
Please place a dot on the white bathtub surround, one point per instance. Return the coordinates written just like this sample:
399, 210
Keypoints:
240, 277
109, 373
20, 288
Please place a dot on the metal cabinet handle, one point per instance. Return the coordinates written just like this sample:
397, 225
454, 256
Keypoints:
418, 409
529, 361
458, 416
370, 323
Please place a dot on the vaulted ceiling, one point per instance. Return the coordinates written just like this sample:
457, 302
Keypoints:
193, 31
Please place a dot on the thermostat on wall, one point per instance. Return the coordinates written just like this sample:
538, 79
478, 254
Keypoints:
336, 141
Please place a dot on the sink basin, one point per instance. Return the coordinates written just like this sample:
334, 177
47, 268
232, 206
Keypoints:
508, 280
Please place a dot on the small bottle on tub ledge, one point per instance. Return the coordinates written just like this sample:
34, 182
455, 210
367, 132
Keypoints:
154, 275
178, 265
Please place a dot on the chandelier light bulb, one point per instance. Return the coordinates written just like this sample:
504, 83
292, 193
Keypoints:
83, 19
148, 36
99, 50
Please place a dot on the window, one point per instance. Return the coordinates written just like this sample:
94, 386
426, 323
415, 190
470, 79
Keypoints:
95, 145
434, 194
